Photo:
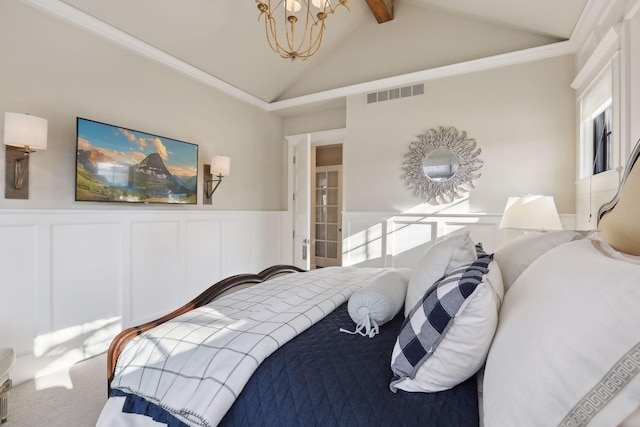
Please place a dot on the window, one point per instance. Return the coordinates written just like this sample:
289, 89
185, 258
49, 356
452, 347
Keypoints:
602, 142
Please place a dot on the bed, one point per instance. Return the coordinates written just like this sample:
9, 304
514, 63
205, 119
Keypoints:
543, 332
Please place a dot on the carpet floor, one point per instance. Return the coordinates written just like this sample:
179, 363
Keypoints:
74, 399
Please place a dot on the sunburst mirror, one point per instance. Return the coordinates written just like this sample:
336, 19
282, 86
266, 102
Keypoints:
441, 165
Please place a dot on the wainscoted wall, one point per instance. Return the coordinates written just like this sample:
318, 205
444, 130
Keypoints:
74, 279
71, 280
384, 239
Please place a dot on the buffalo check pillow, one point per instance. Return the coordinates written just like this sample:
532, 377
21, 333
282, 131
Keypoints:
443, 257
446, 336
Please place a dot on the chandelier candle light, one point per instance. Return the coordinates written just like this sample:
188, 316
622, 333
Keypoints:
304, 42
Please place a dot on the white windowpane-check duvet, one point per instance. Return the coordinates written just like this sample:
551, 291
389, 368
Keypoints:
195, 365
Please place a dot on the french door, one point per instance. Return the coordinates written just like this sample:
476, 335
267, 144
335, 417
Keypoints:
327, 225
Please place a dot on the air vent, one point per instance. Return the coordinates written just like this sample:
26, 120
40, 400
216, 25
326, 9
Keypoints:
396, 93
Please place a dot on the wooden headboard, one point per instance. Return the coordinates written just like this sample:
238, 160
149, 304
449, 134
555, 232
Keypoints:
619, 220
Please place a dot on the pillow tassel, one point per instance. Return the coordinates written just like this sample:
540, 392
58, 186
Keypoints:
369, 325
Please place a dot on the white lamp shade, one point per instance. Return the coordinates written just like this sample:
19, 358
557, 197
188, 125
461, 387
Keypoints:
531, 213
320, 3
220, 165
292, 5
23, 130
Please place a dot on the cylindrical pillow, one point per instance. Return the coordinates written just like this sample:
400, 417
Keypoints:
378, 302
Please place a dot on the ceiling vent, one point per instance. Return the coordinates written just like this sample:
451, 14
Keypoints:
396, 93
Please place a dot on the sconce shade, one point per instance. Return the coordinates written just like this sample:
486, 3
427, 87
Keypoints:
531, 212
25, 131
220, 165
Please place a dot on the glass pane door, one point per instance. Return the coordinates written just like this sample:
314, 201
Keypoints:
328, 227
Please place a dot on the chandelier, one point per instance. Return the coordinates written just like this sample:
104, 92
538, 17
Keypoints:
302, 25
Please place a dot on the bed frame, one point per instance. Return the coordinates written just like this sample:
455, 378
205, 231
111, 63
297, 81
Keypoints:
204, 298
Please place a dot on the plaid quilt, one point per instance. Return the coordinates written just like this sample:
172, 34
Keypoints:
195, 366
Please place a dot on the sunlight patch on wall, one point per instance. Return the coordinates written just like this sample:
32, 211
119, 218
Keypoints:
401, 240
364, 245
59, 350
409, 233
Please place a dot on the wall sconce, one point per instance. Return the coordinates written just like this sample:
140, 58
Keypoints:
22, 135
531, 213
220, 167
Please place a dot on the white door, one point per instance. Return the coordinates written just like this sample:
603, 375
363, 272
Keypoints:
302, 203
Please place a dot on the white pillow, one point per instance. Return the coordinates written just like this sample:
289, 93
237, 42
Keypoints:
517, 255
441, 258
447, 335
378, 302
567, 347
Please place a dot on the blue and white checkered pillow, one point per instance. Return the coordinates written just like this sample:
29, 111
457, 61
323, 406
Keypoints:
430, 319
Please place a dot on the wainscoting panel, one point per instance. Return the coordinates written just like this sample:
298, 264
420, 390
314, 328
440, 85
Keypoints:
157, 269
364, 237
408, 239
399, 240
390, 239
204, 255
18, 255
243, 240
85, 268
71, 280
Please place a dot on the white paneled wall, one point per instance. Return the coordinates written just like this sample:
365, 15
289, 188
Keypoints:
71, 280
383, 239
399, 240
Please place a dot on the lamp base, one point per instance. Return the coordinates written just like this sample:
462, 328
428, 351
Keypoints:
206, 198
16, 161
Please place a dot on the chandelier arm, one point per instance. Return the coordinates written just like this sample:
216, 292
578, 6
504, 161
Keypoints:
308, 17
315, 45
274, 35
292, 44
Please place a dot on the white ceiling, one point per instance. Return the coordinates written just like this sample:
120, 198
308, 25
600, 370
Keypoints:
224, 39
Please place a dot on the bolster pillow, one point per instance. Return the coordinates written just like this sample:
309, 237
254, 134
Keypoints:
378, 302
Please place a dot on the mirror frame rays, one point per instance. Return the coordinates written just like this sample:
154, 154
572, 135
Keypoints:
441, 192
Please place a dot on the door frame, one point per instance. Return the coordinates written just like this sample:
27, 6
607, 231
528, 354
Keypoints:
327, 137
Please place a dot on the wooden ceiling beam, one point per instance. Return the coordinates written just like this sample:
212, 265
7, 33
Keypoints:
382, 10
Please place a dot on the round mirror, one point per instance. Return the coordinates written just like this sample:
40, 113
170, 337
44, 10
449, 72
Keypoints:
440, 165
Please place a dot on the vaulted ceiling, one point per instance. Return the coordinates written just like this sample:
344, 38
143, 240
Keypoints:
223, 38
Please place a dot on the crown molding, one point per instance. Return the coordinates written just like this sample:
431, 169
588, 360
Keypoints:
601, 56
87, 22
591, 14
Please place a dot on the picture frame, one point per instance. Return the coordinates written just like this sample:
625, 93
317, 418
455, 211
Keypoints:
118, 164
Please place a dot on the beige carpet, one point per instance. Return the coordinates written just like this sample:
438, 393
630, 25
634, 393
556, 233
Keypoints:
68, 399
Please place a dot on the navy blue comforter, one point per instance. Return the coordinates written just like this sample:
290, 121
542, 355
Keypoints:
327, 378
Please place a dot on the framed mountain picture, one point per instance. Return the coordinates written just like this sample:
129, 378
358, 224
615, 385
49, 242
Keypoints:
116, 164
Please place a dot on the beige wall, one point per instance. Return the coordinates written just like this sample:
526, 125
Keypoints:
634, 76
465, 39
521, 116
334, 118
57, 71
